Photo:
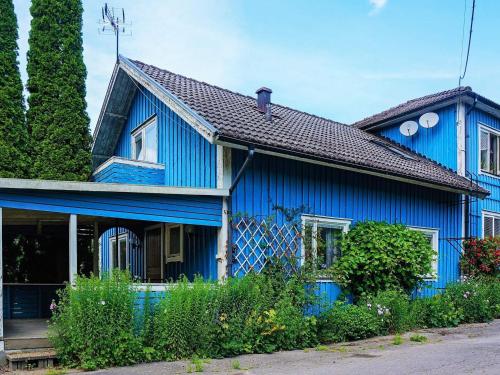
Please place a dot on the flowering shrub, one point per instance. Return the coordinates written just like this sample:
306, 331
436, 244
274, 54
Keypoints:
481, 257
392, 308
434, 312
474, 299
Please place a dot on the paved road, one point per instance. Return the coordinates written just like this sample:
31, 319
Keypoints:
471, 349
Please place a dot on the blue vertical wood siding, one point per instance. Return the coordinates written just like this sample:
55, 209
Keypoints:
189, 159
438, 143
474, 120
200, 250
130, 174
272, 181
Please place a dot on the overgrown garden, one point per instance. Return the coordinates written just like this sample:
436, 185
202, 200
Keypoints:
108, 322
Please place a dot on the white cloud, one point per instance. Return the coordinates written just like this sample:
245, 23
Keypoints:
377, 5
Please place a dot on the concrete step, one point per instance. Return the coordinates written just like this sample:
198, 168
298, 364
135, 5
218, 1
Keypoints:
30, 359
20, 343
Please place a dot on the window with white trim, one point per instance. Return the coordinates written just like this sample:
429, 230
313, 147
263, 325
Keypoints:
174, 243
491, 224
145, 142
432, 235
489, 151
119, 253
321, 239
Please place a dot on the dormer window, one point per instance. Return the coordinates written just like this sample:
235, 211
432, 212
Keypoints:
145, 142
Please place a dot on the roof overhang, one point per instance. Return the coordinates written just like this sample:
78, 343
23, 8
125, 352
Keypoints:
345, 166
470, 98
125, 81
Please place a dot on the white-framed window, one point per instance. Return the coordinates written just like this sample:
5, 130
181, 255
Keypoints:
432, 235
491, 224
174, 243
489, 150
119, 254
145, 141
321, 239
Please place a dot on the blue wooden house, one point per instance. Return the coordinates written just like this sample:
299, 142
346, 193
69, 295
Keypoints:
193, 179
464, 136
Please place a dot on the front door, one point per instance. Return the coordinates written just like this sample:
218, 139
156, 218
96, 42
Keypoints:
153, 255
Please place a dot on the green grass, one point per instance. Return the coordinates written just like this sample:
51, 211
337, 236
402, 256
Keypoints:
418, 338
236, 365
56, 371
398, 340
321, 348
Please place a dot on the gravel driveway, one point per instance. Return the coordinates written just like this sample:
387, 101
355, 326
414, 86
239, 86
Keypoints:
468, 349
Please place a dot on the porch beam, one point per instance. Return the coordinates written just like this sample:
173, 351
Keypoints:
73, 244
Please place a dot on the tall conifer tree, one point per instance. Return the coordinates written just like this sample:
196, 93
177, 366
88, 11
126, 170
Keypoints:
13, 132
57, 117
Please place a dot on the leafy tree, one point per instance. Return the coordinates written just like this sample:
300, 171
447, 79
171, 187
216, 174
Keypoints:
57, 117
14, 135
378, 256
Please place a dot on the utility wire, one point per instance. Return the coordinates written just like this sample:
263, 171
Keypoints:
468, 46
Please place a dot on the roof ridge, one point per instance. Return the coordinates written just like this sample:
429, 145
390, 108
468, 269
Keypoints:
459, 89
238, 93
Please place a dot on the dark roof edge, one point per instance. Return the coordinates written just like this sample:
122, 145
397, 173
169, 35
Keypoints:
285, 153
469, 94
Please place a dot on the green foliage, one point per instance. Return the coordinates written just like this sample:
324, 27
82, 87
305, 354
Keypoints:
57, 117
398, 340
345, 322
475, 298
392, 308
418, 338
14, 159
378, 256
93, 325
435, 312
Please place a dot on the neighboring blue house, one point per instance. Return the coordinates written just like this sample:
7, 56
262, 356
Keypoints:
187, 175
464, 136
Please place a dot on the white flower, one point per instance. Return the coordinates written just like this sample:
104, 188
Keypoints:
103, 303
387, 311
369, 305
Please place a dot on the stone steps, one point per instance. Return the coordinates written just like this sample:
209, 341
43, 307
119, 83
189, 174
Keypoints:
29, 359
20, 343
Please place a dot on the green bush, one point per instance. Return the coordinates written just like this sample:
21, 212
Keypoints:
345, 322
93, 325
435, 312
476, 298
392, 308
493, 295
378, 256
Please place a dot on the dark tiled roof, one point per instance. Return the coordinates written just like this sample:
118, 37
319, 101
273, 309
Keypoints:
237, 120
412, 105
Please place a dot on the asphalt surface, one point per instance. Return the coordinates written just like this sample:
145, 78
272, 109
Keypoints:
468, 349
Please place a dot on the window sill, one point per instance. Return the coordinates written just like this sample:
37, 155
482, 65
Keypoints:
483, 173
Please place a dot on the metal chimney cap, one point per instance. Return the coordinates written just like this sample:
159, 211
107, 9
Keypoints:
263, 88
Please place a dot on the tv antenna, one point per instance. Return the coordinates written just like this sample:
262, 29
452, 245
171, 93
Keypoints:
113, 22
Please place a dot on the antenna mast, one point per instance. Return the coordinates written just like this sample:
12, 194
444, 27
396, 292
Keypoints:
113, 22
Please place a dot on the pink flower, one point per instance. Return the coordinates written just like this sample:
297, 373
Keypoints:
53, 306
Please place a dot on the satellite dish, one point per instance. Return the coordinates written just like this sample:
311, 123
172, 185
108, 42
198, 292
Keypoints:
428, 120
408, 128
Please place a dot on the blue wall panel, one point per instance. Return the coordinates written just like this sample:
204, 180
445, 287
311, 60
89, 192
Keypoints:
492, 183
438, 143
130, 174
203, 210
272, 181
189, 159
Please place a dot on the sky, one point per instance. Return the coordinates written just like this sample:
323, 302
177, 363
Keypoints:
341, 59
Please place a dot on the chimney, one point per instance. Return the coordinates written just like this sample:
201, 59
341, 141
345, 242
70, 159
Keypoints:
263, 98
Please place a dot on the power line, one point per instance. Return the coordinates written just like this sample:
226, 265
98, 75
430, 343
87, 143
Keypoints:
468, 46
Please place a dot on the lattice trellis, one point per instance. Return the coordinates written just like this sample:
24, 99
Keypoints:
257, 241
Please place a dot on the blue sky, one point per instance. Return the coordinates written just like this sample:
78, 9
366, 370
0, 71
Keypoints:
343, 60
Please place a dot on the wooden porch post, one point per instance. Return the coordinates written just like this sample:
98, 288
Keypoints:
96, 250
73, 262
2, 346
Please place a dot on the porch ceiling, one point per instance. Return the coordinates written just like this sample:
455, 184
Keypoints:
94, 200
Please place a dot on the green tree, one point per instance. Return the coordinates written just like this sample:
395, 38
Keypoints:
57, 117
14, 160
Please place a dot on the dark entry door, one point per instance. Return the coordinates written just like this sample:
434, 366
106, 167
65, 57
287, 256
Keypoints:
153, 255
